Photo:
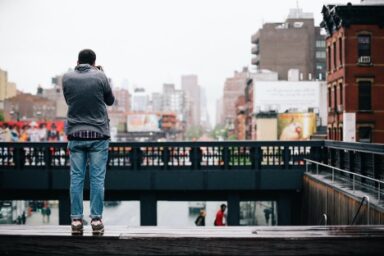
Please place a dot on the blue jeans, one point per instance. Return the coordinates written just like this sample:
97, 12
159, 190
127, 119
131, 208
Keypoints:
94, 152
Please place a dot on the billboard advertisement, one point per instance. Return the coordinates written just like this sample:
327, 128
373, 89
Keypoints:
296, 126
143, 123
281, 96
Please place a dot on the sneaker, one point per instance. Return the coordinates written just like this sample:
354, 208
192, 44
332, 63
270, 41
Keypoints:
97, 226
77, 227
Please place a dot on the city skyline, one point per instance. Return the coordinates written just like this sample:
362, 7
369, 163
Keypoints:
137, 45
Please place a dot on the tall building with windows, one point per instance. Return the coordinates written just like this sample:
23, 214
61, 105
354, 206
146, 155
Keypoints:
140, 100
173, 101
7, 88
233, 88
355, 67
295, 43
191, 88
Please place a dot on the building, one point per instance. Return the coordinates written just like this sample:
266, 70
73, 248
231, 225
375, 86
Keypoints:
233, 88
26, 106
294, 44
219, 111
55, 93
355, 68
7, 88
298, 105
122, 101
204, 117
265, 126
250, 122
173, 101
156, 102
140, 101
240, 128
191, 88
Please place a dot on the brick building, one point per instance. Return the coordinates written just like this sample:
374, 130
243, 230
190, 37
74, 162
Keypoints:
233, 88
355, 68
240, 121
295, 43
26, 106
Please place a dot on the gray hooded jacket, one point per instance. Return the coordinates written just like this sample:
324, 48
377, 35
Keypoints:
86, 91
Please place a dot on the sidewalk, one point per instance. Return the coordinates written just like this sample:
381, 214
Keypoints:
37, 218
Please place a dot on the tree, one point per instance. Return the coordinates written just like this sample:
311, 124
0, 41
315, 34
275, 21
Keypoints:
219, 132
1, 116
194, 133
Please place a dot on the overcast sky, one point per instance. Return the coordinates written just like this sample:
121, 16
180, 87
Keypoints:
138, 42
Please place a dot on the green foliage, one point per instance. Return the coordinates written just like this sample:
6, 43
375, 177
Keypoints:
1, 116
219, 132
194, 133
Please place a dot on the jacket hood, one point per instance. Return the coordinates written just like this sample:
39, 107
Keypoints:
83, 67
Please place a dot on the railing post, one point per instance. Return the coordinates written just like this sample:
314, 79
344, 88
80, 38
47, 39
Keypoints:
353, 183
165, 157
378, 193
225, 155
333, 174
48, 164
253, 157
19, 159
135, 158
286, 157
368, 206
195, 157
317, 169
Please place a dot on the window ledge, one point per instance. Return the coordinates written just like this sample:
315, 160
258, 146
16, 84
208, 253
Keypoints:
365, 111
365, 64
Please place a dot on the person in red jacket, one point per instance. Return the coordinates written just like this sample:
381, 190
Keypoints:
220, 215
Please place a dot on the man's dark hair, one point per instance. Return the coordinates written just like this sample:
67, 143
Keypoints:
87, 56
223, 206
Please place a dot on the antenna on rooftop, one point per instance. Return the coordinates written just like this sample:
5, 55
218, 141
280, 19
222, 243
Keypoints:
297, 4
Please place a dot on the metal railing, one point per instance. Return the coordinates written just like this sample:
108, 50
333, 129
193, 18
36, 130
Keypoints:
169, 155
365, 198
354, 180
323, 219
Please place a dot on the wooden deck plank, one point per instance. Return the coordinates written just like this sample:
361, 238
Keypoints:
119, 240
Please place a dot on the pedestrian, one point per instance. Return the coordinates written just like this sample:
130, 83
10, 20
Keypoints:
23, 218
44, 214
200, 220
87, 92
220, 216
5, 133
48, 213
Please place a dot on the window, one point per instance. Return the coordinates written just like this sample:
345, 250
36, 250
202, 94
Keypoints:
320, 44
334, 56
364, 45
334, 97
341, 133
329, 97
341, 99
365, 134
364, 95
340, 51
320, 55
329, 58
298, 24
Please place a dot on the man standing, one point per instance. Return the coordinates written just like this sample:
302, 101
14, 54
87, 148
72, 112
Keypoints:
220, 216
87, 92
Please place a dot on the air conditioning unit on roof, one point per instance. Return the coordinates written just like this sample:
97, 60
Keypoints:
365, 59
